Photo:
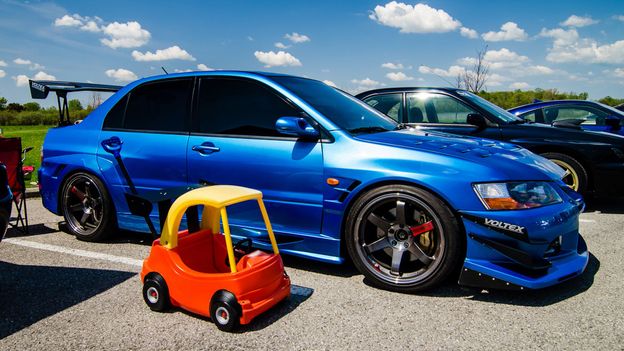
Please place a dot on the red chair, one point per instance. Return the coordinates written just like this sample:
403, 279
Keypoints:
12, 155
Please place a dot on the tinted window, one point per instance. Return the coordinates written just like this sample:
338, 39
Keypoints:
529, 116
344, 110
436, 108
390, 104
160, 106
240, 107
114, 118
592, 116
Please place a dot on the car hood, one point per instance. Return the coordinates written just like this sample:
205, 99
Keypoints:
509, 158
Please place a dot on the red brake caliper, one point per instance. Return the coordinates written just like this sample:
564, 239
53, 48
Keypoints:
422, 228
79, 194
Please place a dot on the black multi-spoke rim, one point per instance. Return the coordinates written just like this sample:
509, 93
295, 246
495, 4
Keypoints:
400, 238
83, 205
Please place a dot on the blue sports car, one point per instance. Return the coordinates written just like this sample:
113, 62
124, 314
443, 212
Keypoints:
589, 115
340, 179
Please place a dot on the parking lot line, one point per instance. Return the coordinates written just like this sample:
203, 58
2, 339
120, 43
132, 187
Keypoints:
587, 220
75, 252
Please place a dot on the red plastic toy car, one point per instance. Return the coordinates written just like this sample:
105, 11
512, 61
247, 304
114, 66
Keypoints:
204, 273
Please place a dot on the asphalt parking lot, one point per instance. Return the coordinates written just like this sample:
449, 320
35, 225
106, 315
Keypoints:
59, 293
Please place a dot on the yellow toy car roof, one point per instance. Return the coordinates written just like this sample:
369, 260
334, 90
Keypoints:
219, 196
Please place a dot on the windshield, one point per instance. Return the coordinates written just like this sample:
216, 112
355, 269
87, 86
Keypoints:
494, 110
344, 110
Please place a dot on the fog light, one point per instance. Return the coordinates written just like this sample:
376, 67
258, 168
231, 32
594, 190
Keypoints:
554, 247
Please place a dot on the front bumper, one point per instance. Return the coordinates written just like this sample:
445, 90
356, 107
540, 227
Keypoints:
524, 249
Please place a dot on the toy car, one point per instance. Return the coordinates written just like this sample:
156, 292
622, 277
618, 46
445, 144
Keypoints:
203, 272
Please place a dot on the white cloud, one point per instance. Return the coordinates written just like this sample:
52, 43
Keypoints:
619, 17
297, 38
2, 73
619, 72
203, 67
390, 65
366, 83
68, 21
453, 71
496, 79
330, 83
468, 33
21, 61
562, 37
280, 58
121, 75
125, 35
91, 26
3, 64
519, 85
398, 76
569, 47
419, 18
281, 45
22, 79
578, 21
509, 31
537, 70
170, 53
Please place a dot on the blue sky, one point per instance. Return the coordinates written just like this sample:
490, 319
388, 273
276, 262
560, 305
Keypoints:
356, 45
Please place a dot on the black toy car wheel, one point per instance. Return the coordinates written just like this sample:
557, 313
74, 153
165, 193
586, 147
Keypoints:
156, 292
225, 311
403, 238
87, 208
575, 174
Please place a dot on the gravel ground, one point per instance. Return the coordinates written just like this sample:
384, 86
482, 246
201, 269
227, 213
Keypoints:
63, 299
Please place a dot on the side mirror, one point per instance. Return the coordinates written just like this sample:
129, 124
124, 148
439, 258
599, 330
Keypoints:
296, 126
476, 120
613, 122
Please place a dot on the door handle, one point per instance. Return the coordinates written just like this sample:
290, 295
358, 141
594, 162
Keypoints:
112, 146
206, 148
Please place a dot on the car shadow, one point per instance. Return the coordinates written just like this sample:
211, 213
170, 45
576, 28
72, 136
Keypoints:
32, 293
33, 230
613, 205
298, 295
345, 269
528, 298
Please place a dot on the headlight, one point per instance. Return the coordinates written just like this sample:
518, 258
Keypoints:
516, 195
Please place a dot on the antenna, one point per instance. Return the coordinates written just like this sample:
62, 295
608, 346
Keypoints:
163, 68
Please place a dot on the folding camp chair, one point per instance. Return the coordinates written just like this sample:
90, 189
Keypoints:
12, 155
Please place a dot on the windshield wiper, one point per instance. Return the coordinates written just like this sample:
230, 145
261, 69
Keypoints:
374, 129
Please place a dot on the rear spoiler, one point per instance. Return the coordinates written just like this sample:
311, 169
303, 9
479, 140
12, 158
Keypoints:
39, 89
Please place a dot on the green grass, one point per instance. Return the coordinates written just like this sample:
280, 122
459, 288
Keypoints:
31, 136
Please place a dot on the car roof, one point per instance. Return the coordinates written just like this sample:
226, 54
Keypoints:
404, 89
235, 73
536, 105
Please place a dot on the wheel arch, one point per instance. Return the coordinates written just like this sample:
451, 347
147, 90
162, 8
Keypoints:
368, 187
68, 175
578, 156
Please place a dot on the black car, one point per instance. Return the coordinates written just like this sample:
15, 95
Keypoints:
593, 161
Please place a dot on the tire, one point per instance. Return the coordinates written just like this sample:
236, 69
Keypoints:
225, 311
87, 208
402, 260
156, 292
576, 175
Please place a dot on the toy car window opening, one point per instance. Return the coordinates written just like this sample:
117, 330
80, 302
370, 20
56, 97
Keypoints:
213, 239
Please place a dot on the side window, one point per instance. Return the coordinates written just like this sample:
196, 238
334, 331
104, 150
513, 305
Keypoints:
591, 115
389, 104
436, 108
529, 116
240, 107
159, 106
114, 118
